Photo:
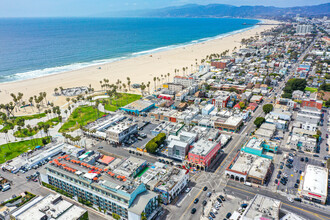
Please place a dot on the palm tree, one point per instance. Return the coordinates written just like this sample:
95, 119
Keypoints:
155, 82
148, 85
143, 87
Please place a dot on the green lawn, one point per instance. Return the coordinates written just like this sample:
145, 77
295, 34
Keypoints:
312, 90
81, 116
14, 149
12, 121
124, 99
26, 133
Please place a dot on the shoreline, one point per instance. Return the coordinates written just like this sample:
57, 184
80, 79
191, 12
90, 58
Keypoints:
141, 68
66, 68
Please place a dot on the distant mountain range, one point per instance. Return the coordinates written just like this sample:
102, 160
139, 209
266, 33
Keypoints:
221, 10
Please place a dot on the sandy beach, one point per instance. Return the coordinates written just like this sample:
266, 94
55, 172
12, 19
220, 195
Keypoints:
139, 69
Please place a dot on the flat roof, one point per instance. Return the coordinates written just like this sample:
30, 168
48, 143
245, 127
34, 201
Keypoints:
316, 180
139, 105
252, 165
262, 207
202, 147
51, 205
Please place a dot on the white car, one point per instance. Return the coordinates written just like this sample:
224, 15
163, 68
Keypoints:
188, 190
290, 199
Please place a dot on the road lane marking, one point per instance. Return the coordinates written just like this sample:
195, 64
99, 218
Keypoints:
317, 215
191, 203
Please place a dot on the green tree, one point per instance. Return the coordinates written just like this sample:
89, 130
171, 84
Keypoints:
115, 216
267, 108
259, 121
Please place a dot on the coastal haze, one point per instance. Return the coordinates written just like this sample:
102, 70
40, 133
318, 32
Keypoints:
163, 110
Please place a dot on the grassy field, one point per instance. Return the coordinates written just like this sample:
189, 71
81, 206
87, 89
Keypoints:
81, 116
26, 133
122, 100
12, 121
12, 150
312, 90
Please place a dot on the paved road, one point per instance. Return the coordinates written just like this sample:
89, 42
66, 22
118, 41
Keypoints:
213, 180
304, 210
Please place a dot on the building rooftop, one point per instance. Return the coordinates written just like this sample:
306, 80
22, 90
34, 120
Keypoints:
262, 207
129, 166
53, 206
118, 128
139, 105
251, 164
316, 180
202, 147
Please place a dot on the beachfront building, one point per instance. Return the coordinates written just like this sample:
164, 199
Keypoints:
111, 191
314, 184
202, 154
260, 147
251, 168
119, 132
137, 107
183, 80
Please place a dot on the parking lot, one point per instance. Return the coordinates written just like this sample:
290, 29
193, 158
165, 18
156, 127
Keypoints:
293, 174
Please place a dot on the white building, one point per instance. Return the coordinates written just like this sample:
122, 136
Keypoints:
120, 131
303, 29
314, 185
52, 206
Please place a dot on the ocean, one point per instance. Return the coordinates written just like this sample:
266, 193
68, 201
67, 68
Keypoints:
34, 47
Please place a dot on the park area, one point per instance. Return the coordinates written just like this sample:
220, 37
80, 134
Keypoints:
121, 100
11, 150
81, 116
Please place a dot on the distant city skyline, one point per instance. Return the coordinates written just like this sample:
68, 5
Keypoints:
76, 8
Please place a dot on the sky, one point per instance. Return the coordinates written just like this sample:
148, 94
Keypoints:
74, 8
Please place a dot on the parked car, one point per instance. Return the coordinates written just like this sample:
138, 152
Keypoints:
212, 214
204, 203
228, 215
188, 189
297, 199
222, 198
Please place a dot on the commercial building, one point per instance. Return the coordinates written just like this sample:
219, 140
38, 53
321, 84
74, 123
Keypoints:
111, 191
314, 184
44, 155
52, 206
202, 154
249, 168
266, 131
183, 80
231, 124
173, 87
312, 103
262, 207
260, 147
121, 131
178, 146
303, 29
207, 109
137, 107
171, 184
